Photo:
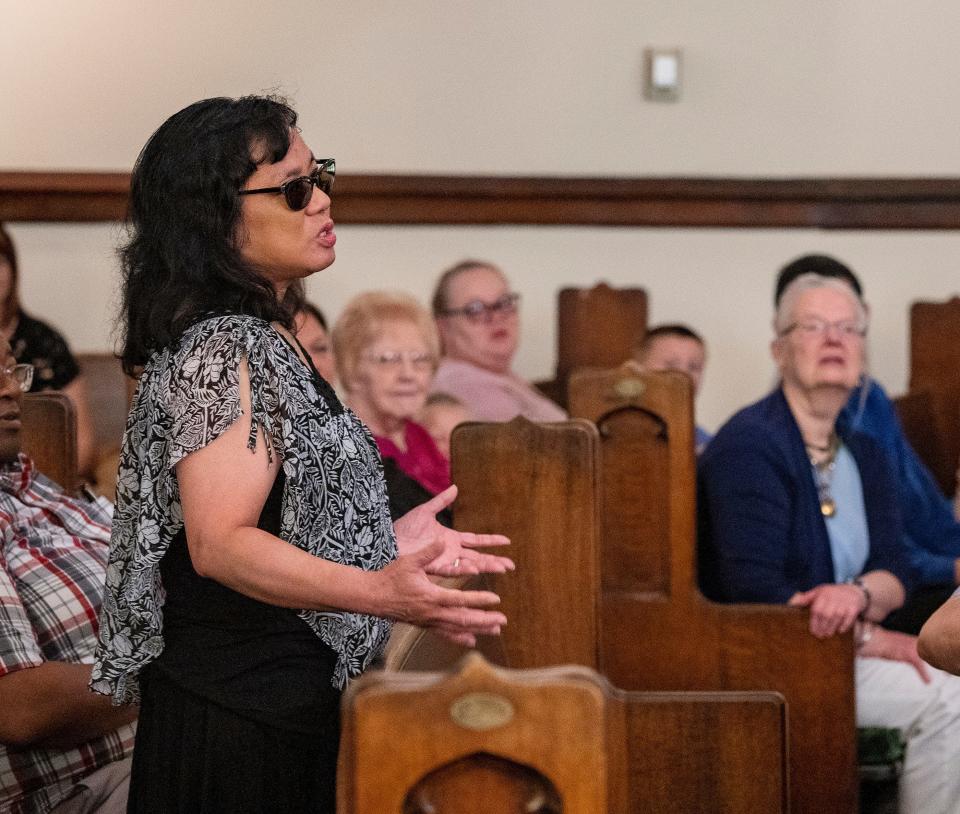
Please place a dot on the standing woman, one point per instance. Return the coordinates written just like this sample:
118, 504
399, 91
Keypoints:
253, 565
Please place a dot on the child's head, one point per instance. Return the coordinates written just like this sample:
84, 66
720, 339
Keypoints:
440, 415
674, 347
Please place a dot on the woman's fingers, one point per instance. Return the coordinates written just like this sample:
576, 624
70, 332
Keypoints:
440, 501
474, 540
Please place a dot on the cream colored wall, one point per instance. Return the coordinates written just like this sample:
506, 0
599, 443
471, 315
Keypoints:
771, 89
720, 281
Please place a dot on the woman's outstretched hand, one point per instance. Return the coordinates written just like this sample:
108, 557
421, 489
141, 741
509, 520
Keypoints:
458, 555
407, 594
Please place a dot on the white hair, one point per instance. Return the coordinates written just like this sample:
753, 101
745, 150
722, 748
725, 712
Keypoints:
807, 282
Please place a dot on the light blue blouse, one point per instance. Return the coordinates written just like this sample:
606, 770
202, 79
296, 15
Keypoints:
847, 529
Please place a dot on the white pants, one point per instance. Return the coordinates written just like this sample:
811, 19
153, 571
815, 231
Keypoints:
891, 694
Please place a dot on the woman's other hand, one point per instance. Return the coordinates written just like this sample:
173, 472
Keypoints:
833, 608
888, 644
409, 595
457, 555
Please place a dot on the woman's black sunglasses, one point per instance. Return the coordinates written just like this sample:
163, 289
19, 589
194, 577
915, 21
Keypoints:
298, 191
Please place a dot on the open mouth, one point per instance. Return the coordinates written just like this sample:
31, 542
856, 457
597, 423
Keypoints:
327, 237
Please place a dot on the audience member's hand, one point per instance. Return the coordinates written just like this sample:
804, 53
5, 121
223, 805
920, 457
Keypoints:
408, 595
888, 644
419, 528
833, 608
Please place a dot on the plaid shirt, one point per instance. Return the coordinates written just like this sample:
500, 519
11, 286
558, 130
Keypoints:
53, 551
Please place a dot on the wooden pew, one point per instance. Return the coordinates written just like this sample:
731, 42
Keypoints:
659, 632
935, 369
918, 413
554, 740
49, 436
545, 496
596, 327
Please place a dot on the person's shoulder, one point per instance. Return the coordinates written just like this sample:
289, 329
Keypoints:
759, 429
756, 421
28, 323
226, 325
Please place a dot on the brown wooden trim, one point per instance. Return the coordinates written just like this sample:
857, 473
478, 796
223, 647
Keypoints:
828, 203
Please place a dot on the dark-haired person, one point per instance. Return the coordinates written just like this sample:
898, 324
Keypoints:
476, 314
253, 564
676, 347
35, 343
313, 334
62, 748
931, 533
796, 510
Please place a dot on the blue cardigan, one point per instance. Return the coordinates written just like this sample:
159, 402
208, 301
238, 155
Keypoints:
762, 536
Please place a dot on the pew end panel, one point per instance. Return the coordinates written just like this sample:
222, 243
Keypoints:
557, 739
935, 368
658, 632
537, 483
478, 740
49, 437
597, 327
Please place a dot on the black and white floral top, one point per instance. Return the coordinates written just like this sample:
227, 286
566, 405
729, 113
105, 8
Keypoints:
334, 499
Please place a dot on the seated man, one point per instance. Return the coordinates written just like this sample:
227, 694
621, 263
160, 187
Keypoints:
479, 328
931, 533
676, 347
62, 748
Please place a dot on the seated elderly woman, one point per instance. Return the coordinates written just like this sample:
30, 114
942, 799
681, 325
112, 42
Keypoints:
386, 350
791, 512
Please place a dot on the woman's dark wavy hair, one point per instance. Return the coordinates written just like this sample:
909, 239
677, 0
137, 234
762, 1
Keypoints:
182, 259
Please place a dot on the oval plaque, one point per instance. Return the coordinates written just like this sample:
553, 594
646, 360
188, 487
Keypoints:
629, 388
481, 711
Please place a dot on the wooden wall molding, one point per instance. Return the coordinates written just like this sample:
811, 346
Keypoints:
825, 203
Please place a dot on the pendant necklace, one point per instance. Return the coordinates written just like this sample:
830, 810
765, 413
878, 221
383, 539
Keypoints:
823, 475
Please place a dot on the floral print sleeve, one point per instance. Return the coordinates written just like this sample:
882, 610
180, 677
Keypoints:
334, 500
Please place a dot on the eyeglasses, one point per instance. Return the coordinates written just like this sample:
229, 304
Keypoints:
392, 359
21, 374
820, 327
297, 192
477, 311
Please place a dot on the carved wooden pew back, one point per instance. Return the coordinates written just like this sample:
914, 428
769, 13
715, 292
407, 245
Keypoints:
659, 633
49, 436
554, 740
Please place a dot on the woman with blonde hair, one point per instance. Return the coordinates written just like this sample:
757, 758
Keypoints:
387, 350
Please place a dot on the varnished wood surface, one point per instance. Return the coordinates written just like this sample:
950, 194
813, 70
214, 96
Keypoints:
598, 327
538, 484
922, 423
572, 738
935, 370
49, 436
659, 633
825, 203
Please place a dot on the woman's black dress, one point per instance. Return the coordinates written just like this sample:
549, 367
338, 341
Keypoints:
234, 671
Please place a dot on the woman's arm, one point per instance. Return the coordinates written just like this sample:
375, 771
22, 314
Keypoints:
223, 488
939, 641
834, 608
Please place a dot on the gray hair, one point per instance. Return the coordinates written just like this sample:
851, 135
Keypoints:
807, 282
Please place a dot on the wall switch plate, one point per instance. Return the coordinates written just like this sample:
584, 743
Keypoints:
662, 74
